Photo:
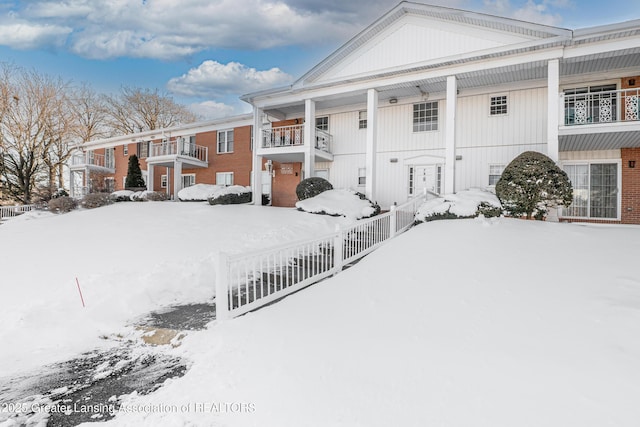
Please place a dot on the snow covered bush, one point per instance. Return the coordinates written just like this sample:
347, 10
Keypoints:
464, 204
62, 204
95, 200
232, 195
61, 192
346, 203
148, 196
311, 187
198, 192
121, 196
531, 184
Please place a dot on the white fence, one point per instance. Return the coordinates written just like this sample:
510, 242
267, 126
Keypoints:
11, 211
247, 281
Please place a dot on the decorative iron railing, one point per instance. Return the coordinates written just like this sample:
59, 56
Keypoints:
601, 107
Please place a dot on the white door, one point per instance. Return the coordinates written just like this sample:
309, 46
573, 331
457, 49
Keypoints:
425, 177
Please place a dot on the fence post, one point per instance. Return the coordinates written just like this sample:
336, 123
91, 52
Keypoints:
222, 287
393, 223
338, 246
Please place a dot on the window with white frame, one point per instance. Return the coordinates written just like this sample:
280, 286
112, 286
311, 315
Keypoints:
225, 141
143, 149
595, 190
362, 176
188, 179
425, 116
495, 172
322, 123
224, 178
163, 181
362, 120
109, 157
498, 106
125, 149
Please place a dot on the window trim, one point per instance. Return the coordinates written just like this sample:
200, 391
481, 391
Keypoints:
362, 177
226, 174
498, 107
590, 162
226, 141
184, 175
489, 174
125, 150
362, 123
322, 126
164, 180
433, 125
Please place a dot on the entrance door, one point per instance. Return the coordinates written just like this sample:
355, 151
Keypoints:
427, 177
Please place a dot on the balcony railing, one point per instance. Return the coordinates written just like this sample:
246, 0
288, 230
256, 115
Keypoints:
287, 136
92, 159
180, 148
601, 107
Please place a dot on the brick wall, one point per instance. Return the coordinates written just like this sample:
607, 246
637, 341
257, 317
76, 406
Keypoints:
630, 186
283, 186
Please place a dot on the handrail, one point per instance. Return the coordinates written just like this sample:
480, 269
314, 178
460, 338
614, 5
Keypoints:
601, 107
181, 148
247, 281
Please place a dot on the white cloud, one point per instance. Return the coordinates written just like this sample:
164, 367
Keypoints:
213, 79
214, 110
531, 11
21, 34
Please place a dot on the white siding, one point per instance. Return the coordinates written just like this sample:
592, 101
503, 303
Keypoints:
417, 39
395, 130
590, 155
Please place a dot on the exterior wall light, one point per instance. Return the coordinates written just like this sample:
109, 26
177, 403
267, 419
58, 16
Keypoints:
632, 164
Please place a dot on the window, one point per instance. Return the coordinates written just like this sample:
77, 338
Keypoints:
225, 141
188, 180
224, 178
362, 120
125, 149
163, 181
425, 116
412, 180
322, 123
109, 184
592, 104
362, 176
595, 190
109, 161
143, 149
498, 105
495, 172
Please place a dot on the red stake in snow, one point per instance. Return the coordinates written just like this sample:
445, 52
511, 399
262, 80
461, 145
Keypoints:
81, 299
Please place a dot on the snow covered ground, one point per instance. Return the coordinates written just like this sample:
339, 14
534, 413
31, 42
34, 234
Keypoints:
129, 258
480, 322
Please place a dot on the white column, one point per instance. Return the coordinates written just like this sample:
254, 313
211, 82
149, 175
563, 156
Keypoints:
372, 142
150, 177
309, 138
71, 184
177, 179
256, 167
553, 108
168, 189
450, 136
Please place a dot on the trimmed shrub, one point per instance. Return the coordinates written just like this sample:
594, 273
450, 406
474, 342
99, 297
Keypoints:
95, 200
374, 205
231, 199
531, 184
62, 204
465, 204
121, 196
311, 187
61, 192
134, 174
156, 196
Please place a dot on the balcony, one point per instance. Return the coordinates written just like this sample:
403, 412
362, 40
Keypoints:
286, 144
183, 150
93, 161
600, 120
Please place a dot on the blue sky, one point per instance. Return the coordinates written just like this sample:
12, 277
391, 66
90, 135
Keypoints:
205, 53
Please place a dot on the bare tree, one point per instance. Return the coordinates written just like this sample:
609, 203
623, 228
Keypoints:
137, 110
33, 129
91, 113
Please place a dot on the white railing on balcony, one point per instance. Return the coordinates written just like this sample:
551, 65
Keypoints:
287, 136
245, 282
92, 159
11, 211
181, 148
601, 107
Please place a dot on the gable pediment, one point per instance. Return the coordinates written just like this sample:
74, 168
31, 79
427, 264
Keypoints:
412, 35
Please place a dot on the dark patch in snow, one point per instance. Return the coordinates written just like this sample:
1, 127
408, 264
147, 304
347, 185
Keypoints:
188, 317
88, 386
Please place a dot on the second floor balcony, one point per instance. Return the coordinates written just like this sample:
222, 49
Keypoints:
599, 120
180, 149
286, 143
95, 161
